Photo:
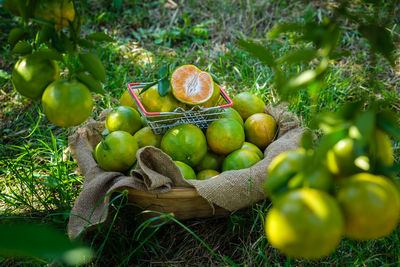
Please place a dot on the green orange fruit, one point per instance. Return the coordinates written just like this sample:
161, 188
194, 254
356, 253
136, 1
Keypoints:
59, 12
123, 118
186, 143
215, 97
67, 103
31, 75
240, 159
127, 100
225, 136
370, 205
384, 148
210, 161
260, 129
254, 148
305, 223
232, 114
117, 152
191, 86
341, 158
154, 102
187, 171
248, 104
206, 174
146, 137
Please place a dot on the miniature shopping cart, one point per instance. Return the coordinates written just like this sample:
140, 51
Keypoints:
200, 116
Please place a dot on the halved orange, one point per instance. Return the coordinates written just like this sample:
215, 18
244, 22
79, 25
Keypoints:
191, 86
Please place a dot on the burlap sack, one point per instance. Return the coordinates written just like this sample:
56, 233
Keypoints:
156, 173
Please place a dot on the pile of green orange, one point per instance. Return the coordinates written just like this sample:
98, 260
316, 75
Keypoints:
345, 187
234, 141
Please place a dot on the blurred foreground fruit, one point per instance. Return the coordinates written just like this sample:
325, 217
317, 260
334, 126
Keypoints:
146, 137
187, 171
186, 143
154, 102
370, 205
191, 86
123, 118
305, 223
206, 174
260, 129
31, 75
341, 158
384, 149
59, 12
240, 159
225, 136
67, 103
247, 104
117, 152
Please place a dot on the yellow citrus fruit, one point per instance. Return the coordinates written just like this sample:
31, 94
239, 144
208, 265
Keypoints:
191, 85
146, 137
210, 161
232, 114
225, 136
215, 97
187, 171
247, 104
254, 148
67, 103
282, 168
117, 152
127, 100
305, 223
205, 174
370, 205
340, 159
240, 159
186, 143
260, 129
59, 12
154, 102
123, 118
31, 75
384, 149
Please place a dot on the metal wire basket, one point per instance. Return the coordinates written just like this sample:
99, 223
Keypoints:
160, 122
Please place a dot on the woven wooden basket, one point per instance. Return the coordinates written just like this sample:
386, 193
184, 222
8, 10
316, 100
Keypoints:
183, 202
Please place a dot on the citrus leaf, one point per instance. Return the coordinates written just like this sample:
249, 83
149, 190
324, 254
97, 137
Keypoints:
22, 48
380, 40
145, 88
39, 241
100, 37
163, 86
286, 27
327, 142
44, 34
16, 35
164, 71
51, 54
258, 51
389, 128
93, 65
298, 56
86, 44
43, 22
66, 43
93, 84
307, 140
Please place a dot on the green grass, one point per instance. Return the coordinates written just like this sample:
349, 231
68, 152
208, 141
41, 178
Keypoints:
39, 180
